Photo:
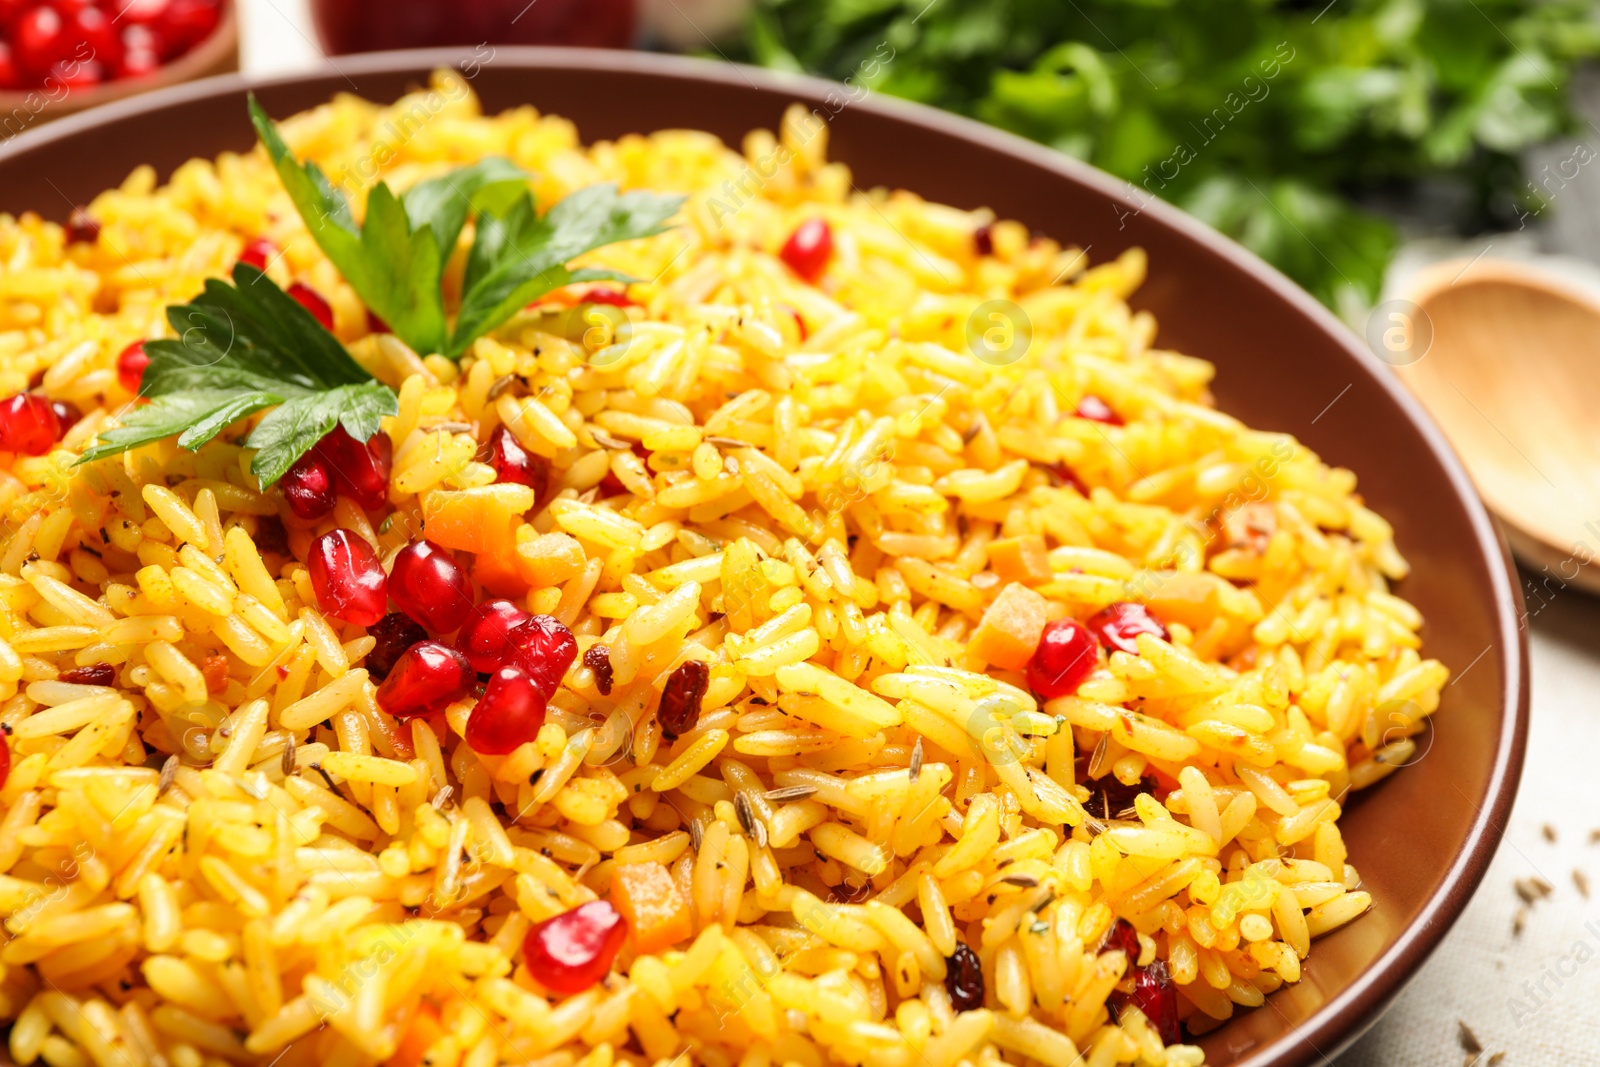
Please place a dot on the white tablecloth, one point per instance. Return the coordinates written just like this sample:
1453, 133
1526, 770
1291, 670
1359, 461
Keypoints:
1531, 995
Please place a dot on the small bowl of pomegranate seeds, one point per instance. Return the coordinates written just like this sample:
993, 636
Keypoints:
62, 56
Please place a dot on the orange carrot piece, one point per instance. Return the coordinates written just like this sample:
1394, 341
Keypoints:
1011, 628
645, 894
1020, 559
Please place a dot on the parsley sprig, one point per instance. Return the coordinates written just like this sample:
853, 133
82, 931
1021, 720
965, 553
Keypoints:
241, 349
395, 257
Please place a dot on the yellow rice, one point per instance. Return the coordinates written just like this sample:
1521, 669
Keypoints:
813, 522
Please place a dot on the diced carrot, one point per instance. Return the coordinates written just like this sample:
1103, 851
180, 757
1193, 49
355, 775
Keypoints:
1011, 628
425, 1029
481, 520
1193, 598
1020, 559
645, 894
548, 559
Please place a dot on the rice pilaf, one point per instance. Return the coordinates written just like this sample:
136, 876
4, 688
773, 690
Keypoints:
877, 842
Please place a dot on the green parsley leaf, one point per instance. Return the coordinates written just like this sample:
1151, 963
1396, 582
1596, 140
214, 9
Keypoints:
518, 255
241, 349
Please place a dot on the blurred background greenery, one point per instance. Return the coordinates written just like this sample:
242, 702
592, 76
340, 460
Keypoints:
1282, 123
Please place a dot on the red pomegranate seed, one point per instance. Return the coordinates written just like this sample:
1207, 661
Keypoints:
140, 57
94, 674
10, 76
130, 366
508, 714
38, 39
360, 472
544, 648
1118, 626
606, 295
78, 75
28, 425
313, 302
1121, 935
513, 463
5, 756
67, 416
1065, 657
377, 325
1157, 997
808, 248
428, 584
1094, 409
427, 676
483, 636
308, 487
394, 633
258, 252
94, 27
572, 951
82, 228
347, 578
185, 23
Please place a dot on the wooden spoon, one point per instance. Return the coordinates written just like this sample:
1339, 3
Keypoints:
1512, 375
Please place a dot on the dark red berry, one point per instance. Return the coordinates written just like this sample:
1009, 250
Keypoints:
604, 295
308, 487
508, 714
347, 578
983, 240
484, 634
1157, 996
258, 252
94, 674
313, 302
1065, 657
572, 951
598, 660
513, 463
28, 425
1121, 935
679, 710
544, 648
428, 584
360, 472
10, 75
130, 366
37, 38
82, 227
426, 677
1119, 625
185, 23
5, 757
1094, 409
270, 536
963, 979
67, 416
808, 248
394, 633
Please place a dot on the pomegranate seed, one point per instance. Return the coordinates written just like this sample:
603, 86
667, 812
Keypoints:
93, 27
679, 710
394, 633
347, 578
38, 38
572, 951
10, 76
82, 228
185, 23
258, 252
513, 463
308, 487
360, 472
1065, 657
313, 302
28, 425
1094, 409
983, 240
606, 295
78, 75
130, 366
67, 416
94, 674
377, 325
483, 636
963, 978
1156, 996
808, 248
427, 676
5, 756
508, 714
428, 584
1118, 626
140, 52
545, 649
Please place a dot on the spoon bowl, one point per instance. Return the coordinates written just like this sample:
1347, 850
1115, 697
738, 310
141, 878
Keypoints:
1510, 375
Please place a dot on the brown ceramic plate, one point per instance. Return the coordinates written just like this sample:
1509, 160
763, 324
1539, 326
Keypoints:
1422, 839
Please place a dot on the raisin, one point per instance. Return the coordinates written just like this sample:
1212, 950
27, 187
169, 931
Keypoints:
1109, 798
270, 535
394, 633
598, 660
94, 674
1122, 935
680, 700
964, 979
